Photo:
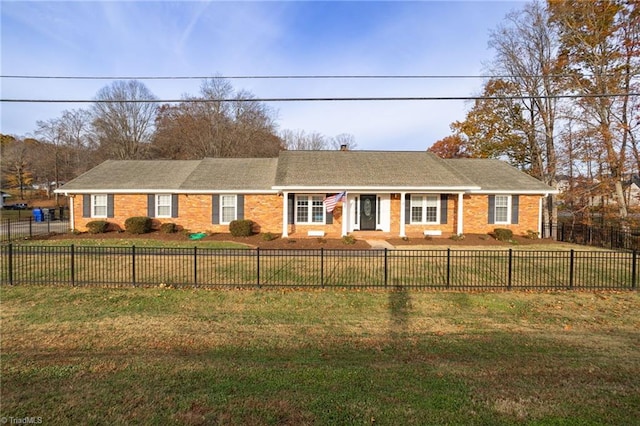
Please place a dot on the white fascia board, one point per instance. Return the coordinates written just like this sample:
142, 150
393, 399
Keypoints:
377, 189
517, 191
164, 191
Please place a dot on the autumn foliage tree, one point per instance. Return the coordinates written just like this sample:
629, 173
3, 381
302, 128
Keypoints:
453, 146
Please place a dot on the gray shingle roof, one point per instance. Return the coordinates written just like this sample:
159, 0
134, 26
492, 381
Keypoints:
496, 175
339, 170
255, 174
134, 174
210, 174
343, 169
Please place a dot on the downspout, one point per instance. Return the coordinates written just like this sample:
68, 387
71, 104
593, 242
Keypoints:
460, 227
540, 215
402, 218
72, 216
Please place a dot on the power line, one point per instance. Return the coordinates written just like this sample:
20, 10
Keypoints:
322, 99
283, 77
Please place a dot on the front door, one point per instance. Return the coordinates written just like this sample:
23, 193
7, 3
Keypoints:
368, 212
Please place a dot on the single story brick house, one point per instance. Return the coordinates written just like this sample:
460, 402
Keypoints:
395, 193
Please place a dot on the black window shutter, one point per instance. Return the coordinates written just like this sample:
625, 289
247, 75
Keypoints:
151, 205
240, 206
110, 208
215, 209
407, 209
492, 209
443, 208
515, 205
86, 205
291, 202
328, 215
174, 205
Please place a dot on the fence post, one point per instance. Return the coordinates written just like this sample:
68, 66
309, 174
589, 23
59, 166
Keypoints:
133, 265
10, 264
448, 267
258, 266
571, 263
9, 229
509, 274
73, 265
195, 266
634, 258
386, 267
322, 267
30, 227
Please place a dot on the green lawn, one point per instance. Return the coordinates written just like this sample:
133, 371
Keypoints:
97, 356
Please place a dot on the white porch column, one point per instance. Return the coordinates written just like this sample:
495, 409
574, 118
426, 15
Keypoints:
402, 218
460, 227
72, 216
285, 215
345, 215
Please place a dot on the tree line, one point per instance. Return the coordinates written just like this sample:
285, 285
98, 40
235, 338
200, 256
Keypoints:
217, 122
565, 105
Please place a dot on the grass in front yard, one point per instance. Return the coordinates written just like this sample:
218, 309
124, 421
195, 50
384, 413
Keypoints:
73, 355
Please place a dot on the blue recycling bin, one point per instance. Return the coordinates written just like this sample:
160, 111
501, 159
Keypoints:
37, 215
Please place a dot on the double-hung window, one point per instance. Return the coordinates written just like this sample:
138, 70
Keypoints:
310, 209
99, 205
502, 207
228, 210
163, 205
424, 208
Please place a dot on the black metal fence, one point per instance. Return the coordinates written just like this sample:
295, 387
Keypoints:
610, 237
418, 269
15, 229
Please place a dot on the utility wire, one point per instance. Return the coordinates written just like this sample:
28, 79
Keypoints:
320, 99
280, 77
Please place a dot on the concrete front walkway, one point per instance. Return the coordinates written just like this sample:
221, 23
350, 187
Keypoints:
379, 244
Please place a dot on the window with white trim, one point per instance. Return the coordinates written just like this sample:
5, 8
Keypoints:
228, 209
502, 207
99, 205
163, 205
310, 209
425, 208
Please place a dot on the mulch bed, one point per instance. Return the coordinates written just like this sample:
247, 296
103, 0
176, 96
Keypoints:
303, 243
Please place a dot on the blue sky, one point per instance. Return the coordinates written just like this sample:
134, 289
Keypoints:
164, 38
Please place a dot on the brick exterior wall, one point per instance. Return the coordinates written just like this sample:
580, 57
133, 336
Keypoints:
476, 218
195, 214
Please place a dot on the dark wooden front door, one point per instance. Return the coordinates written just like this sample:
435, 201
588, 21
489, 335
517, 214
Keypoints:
368, 212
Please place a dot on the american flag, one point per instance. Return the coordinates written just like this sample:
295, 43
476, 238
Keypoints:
330, 202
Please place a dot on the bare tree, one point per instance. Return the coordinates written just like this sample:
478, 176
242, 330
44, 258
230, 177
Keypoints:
218, 123
63, 149
122, 122
315, 141
526, 50
343, 139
